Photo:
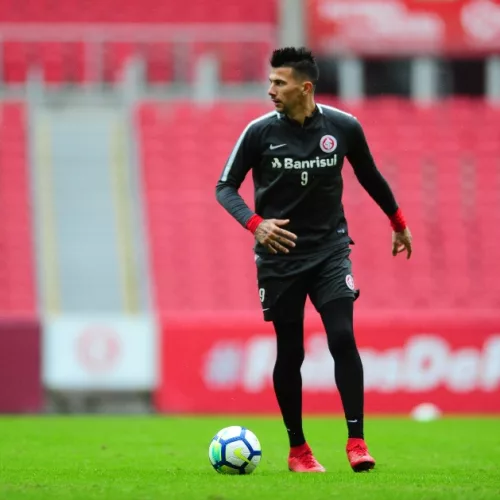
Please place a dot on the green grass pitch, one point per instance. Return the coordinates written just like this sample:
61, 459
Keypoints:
161, 457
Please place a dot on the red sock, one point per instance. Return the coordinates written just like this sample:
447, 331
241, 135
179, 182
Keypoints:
296, 451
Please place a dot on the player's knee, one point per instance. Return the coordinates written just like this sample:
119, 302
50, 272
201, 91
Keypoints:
340, 340
337, 319
294, 358
289, 344
298, 357
290, 357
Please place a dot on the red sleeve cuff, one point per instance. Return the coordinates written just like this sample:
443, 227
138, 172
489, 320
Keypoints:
253, 223
398, 222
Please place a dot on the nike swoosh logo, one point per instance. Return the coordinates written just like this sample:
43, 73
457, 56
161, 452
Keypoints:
272, 146
238, 454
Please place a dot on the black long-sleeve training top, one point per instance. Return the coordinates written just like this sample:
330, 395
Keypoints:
297, 175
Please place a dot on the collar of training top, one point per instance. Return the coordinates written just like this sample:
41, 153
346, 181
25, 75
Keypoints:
308, 121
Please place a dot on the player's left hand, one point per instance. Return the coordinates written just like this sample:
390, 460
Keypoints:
402, 241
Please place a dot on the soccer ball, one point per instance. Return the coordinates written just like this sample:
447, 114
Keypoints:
235, 450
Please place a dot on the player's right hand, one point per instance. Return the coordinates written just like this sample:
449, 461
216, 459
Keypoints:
273, 237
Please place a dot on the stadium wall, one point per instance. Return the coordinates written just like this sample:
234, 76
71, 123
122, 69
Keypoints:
452, 361
21, 388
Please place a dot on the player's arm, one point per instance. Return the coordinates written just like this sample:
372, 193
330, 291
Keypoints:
245, 154
368, 175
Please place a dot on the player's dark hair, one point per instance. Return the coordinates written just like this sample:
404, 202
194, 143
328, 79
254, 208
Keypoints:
301, 60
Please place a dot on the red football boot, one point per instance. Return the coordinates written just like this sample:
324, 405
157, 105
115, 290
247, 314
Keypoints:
301, 459
358, 455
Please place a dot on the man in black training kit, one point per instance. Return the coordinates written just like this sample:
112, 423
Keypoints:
296, 154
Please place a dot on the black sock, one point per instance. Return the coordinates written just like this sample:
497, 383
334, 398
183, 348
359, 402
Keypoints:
355, 428
287, 378
337, 319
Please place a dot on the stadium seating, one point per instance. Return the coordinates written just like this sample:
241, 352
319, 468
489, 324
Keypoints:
444, 170
129, 11
17, 291
72, 62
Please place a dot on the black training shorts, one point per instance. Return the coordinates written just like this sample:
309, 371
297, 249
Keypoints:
284, 284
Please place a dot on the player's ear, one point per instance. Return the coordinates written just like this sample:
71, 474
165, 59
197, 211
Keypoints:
307, 88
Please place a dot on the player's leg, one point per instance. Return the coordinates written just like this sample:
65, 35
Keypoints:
287, 378
333, 294
283, 301
337, 317
288, 321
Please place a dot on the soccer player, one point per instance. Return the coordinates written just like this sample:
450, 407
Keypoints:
296, 154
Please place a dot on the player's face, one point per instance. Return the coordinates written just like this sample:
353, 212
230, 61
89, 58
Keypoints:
286, 91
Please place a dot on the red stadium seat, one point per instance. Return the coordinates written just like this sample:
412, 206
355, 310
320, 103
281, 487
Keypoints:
159, 62
115, 56
15, 62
